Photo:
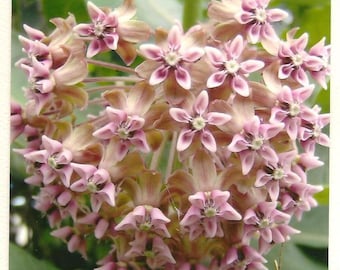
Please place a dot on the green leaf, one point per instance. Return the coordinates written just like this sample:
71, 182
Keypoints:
292, 258
20, 259
313, 227
61, 8
323, 196
152, 12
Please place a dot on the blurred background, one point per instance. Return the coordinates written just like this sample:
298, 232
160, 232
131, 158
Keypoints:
33, 248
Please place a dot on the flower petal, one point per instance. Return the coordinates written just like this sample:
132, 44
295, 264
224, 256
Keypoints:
217, 118
180, 115
208, 140
202, 102
152, 52
250, 66
159, 75
240, 86
185, 139
216, 79
183, 77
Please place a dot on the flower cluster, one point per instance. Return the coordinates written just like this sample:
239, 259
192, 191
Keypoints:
185, 160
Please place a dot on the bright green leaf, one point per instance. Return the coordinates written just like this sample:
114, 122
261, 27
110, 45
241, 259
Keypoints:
313, 227
20, 259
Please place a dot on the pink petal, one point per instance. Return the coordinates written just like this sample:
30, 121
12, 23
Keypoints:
192, 54
174, 37
135, 123
139, 140
183, 77
180, 115
208, 140
285, 71
269, 154
111, 41
83, 29
250, 66
254, 33
101, 228
127, 223
185, 139
217, 118
236, 47
210, 227
159, 75
152, 52
276, 15
106, 132
238, 144
216, 79
301, 43
95, 47
247, 160
215, 56
95, 12
202, 102
301, 76
240, 86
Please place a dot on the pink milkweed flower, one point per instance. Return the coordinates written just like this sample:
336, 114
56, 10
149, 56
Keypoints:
127, 128
253, 140
311, 132
207, 211
197, 123
145, 218
229, 65
290, 109
276, 175
258, 20
323, 52
102, 30
270, 223
113, 30
242, 258
179, 50
52, 161
298, 199
295, 61
95, 181
157, 253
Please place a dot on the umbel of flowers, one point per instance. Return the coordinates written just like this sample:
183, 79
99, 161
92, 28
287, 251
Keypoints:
195, 158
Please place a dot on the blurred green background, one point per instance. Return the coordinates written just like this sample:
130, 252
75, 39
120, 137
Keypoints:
32, 247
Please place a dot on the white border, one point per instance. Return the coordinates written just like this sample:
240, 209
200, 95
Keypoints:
334, 203
5, 67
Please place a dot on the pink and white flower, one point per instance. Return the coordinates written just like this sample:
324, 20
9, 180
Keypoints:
231, 67
173, 56
206, 213
197, 121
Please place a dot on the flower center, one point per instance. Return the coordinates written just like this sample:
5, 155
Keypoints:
232, 66
210, 212
172, 59
123, 133
278, 174
316, 131
99, 29
145, 226
264, 223
198, 123
257, 143
260, 15
297, 60
91, 186
294, 109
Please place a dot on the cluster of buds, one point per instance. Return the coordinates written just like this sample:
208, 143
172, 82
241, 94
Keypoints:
194, 158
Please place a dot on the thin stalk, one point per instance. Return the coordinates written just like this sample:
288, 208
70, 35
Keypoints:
111, 66
112, 79
192, 13
172, 153
105, 87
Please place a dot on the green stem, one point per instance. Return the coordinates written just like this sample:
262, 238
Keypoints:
192, 13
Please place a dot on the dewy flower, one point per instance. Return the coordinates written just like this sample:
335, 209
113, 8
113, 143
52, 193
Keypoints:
206, 213
253, 141
197, 123
230, 66
174, 56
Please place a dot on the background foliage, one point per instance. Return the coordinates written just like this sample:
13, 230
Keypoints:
33, 248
